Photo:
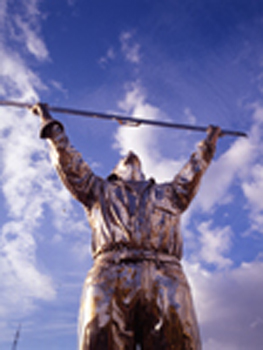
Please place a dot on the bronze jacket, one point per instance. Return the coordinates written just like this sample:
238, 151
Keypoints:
128, 215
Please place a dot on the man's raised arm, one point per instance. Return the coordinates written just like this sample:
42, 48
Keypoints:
187, 181
72, 169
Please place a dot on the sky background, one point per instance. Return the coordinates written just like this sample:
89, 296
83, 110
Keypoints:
197, 62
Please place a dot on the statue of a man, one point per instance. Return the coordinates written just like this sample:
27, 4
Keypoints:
136, 293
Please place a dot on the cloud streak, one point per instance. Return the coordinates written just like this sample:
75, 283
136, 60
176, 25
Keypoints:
129, 48
28, 183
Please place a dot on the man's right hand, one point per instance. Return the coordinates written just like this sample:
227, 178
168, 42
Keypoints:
41, 109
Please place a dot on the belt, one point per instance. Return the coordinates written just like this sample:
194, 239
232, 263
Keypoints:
136, 255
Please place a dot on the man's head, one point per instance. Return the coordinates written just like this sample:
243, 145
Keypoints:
129, 168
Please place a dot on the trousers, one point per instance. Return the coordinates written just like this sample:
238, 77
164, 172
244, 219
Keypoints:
137, 305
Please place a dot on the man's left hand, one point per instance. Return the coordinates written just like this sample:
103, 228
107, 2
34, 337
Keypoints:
213, 133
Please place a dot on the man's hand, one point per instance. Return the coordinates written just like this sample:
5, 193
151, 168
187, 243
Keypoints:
213, 133
41, 109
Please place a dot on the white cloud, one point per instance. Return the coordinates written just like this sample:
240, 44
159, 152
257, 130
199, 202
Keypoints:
232, 165
229, 305
19, 271
28, 183
143, 140
23, 27
215, 243
240, 165
31, 7
253, 190
109, 56
130, 49
252, 184
16, 78
59, 87
34, 43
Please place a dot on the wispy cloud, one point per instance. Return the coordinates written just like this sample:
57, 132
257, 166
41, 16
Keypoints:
228, 305
215, 244
20, 181
24, 27
16, 78
109, 56
252, 183
28, 183
28, 35
228, 168
130, 48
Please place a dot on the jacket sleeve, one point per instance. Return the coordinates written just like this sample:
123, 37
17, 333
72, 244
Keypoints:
74, 172
187, 181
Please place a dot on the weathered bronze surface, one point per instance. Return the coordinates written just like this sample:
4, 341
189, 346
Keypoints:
136, 292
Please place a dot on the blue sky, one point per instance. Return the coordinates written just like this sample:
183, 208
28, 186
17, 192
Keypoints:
197, 62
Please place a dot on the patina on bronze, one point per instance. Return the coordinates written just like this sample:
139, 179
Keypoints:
136, 293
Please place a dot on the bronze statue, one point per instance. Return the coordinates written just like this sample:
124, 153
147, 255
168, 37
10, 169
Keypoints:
136, 293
